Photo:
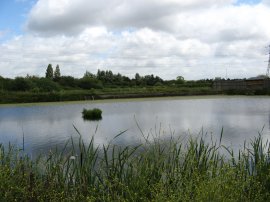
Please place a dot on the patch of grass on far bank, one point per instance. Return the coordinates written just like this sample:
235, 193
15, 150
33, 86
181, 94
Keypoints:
160, 170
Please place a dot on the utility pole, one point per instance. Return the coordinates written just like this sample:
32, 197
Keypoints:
268, 67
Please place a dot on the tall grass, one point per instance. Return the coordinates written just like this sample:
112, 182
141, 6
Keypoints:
158, 170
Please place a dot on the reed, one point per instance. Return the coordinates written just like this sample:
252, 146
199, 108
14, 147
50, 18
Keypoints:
156, 170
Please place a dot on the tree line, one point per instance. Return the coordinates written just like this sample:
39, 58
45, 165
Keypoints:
54, 81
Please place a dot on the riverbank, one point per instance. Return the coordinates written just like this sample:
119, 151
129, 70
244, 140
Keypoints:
9, 97
101, 94
160, 170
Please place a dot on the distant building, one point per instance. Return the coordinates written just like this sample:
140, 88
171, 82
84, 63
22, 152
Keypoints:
242, 84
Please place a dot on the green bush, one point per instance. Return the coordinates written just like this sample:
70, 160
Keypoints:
92, 114
21, 84
89, 83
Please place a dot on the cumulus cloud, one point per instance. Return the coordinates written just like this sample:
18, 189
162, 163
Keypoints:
267, 2
31, 54
144, 51
70, 17
193, 38
206, 20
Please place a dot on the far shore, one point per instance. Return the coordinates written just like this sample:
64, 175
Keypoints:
134, 99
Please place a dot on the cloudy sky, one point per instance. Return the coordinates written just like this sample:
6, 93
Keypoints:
194, 38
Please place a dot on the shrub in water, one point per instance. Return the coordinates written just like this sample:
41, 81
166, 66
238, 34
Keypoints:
92, 114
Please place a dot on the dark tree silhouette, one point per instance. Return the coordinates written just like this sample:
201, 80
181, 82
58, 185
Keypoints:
49, 72
57, 73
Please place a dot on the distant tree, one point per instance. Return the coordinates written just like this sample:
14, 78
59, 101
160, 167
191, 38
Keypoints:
89, 83
68, 81
21, 84
261, 76
46, 85
149, 80
2, 84
101, 75
180, 80
49, 72
108, 76
88, 74
137, 79
57, 73
118, 79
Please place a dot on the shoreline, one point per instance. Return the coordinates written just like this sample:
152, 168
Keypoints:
132, 99
69, 96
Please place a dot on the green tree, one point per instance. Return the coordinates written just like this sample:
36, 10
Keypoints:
101, 75
57, 73
137, 79
88, 74
49, 72
88, 83
46, 85
180, 80
21, 84
68, 81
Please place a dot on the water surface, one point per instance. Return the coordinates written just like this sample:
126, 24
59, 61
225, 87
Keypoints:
47, 125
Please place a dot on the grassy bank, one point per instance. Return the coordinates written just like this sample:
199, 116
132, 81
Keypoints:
97, 94
115, 93
160, 170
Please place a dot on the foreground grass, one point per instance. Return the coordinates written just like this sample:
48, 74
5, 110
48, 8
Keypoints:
160, 170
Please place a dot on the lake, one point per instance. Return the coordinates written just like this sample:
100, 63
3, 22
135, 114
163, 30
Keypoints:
46, 125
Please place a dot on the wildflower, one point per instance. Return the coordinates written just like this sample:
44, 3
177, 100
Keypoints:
72, 158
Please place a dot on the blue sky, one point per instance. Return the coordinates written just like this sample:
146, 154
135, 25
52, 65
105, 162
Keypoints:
250, 2
195, 39
13, 15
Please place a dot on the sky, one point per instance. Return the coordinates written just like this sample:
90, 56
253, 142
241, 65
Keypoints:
196, 39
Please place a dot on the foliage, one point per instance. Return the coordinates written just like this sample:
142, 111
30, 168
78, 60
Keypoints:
155, 170
89, 83
21, 84
180, 80
104, 84
46, 85
103, 78
49, 72
92, 114
88, 74
68, 81
57, 74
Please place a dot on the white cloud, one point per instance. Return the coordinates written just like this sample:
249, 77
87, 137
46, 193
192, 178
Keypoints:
194, 38
70, 17
266, 2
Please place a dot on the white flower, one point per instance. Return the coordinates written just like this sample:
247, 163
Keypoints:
72, 158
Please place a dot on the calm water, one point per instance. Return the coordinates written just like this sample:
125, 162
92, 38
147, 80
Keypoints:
47, 125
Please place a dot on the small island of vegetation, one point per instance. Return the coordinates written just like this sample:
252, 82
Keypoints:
92, 114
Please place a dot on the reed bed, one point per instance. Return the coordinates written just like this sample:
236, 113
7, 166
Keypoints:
156, 170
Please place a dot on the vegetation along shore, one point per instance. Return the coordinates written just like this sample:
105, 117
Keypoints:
104, 85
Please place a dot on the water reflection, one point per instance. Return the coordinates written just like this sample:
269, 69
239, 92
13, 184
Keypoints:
46, 126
